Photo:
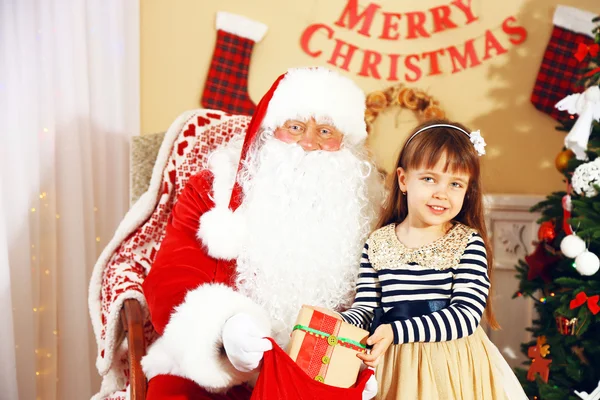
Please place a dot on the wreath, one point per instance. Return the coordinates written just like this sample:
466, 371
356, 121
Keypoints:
423, 105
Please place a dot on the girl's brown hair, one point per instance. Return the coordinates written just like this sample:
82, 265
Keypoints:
423, 151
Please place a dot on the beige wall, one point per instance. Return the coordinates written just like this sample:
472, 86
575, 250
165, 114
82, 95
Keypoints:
178, 39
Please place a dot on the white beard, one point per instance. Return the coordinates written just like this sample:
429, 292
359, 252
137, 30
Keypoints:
307, 217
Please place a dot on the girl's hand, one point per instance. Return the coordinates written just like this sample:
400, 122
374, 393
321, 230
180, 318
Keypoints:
381, 340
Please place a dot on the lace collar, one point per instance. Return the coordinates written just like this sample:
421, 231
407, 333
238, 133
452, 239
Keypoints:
387, 252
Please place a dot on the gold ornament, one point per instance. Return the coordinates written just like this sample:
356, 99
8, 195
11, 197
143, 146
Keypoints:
562, 160
566, 326
579, 352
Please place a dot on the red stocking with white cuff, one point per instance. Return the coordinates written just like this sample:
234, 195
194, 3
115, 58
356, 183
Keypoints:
226, 86
560, 67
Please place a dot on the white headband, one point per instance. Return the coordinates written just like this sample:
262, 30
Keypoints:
475, 136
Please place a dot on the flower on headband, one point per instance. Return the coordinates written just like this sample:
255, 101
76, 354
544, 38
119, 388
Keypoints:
478, 142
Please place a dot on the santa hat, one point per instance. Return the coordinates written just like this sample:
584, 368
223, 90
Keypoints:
298, 94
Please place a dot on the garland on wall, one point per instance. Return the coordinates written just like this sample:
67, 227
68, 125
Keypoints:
423, 105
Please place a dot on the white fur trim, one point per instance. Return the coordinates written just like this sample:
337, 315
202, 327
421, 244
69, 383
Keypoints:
574, 19
223, 163
191, 345
222, 232
241, 26
320, 93
136, 216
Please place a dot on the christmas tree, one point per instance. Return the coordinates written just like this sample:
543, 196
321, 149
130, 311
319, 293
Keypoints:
561, 275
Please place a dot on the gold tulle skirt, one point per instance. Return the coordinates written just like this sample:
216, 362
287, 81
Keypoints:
470, 368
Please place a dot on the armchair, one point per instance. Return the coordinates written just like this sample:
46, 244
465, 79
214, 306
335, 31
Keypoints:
161, 165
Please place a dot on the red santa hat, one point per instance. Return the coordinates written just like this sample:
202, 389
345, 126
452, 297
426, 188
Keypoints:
300, 93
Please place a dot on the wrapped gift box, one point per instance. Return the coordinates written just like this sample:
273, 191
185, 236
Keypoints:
325, 347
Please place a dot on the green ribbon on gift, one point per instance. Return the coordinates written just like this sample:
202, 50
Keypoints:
326, 335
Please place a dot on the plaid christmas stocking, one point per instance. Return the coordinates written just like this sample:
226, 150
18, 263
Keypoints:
226, 86
560, 69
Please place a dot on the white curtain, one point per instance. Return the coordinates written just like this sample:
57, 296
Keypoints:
69, 103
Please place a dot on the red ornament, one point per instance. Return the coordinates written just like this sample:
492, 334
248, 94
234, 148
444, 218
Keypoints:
539, 364
538, 262
547, 231
566, 326
582, 298
583, 50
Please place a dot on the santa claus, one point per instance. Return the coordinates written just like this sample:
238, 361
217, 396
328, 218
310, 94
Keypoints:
275, 222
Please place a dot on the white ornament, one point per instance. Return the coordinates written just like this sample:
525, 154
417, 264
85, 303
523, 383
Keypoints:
585, 177
595, 395
587, 106
572, 246
587, 263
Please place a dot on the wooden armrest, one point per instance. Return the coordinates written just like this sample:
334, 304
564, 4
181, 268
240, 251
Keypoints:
132, 319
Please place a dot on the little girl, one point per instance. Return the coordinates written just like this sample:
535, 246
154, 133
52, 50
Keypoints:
425, 274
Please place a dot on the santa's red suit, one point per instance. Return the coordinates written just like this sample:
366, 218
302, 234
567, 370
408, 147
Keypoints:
191, 289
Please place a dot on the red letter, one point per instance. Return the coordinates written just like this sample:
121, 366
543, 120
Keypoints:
514, 30
434, 67
414, 68
466, 8
307, 34
370, 65
441, 18
492, 43
393, 67
337, 52
388, 25
469, 55
415, 23
354, 18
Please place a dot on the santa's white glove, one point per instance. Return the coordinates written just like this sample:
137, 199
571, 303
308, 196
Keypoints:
244, 342
371, 388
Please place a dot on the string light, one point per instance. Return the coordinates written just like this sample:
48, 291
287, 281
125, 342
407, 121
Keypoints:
34, 309
543, 300
36, 351
45, 129
552, 294
47, 272
95, 209
48, 355
55, 332
37, 373
32, 258
97, 238
32, 209
57, 216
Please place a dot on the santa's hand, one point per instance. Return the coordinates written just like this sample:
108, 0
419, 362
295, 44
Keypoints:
244, 342
371, 388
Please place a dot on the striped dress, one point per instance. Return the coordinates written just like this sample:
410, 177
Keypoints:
445, 354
